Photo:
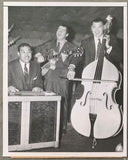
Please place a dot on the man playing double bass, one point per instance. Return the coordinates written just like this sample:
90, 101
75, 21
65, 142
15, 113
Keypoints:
92, 47
92, 44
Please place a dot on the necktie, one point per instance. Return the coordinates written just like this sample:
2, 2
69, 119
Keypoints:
98, 48
58, 47
26, 74
25, 69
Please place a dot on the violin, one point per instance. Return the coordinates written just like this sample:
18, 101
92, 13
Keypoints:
96, 114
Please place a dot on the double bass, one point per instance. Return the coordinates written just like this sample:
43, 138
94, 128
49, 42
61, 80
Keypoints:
96, 114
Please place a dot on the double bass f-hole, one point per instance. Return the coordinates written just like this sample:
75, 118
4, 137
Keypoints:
104, 94
108, 107
89, 92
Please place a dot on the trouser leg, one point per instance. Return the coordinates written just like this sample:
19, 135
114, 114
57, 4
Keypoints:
65, 114
64, 107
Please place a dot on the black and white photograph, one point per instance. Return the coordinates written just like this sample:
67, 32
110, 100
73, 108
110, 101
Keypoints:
64, 79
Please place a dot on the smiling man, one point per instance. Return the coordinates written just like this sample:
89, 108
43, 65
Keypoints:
90, 45
62, 66
24, 74
113, 53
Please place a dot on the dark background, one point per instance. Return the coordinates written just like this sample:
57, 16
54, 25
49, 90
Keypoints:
37, 25
1, 77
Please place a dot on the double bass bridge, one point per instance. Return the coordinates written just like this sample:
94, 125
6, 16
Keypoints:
95, 99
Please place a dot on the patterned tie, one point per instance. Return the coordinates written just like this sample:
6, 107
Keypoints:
98, 48
26, 76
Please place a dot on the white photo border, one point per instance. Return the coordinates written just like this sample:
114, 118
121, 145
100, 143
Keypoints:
5, 80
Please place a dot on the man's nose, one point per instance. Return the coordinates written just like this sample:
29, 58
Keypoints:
26, 53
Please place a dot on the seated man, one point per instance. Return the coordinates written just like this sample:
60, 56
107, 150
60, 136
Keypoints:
23, 73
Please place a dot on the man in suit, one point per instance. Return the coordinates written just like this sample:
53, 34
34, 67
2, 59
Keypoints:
91, 53
90, 45
64, 67
24, 74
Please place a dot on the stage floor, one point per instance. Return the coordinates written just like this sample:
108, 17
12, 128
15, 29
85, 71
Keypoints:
74, 142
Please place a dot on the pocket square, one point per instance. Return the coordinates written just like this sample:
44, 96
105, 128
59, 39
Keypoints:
34, 78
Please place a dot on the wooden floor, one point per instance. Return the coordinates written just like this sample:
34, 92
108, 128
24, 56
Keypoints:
74, 142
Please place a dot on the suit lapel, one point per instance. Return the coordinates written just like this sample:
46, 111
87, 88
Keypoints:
31, 70
89, 50
20, 71
92, 47
53, 45
62, 47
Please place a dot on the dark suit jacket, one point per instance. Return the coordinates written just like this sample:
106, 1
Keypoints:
115, 56
53, 80
16, 76
46, 49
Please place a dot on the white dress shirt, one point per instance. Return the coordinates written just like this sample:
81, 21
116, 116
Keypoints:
61, 44
63, 55
96, 40
23, 64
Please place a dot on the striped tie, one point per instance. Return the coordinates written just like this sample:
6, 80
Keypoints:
98, 48
26, 76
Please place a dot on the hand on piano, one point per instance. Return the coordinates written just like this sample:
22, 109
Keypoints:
12, 90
